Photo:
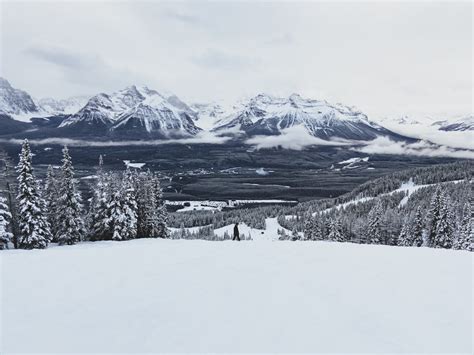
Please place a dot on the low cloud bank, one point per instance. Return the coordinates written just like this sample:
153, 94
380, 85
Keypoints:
202, 137
295, 138
383, 145
453, 139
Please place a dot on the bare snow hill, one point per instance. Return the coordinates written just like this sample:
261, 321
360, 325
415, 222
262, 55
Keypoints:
198, 296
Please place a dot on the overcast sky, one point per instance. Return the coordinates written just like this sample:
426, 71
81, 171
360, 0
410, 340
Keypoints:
386, 58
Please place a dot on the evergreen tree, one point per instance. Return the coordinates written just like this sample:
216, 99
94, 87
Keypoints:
161, 218
465, 236
443, 238
434, 216
50, 194
5, 217
70, 228
335, 230
405, 238
123, 210
99, 214
417, 231
374, 228
33, 226
9, 187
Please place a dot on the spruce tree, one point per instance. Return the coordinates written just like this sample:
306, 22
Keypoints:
99, 214
123, 210
444, 236
335, 230
374, 228
161, 218
34, 230
10, 188
418, 229
5, 217
465, 235
70, 227
405, 238
434, 216
50, 195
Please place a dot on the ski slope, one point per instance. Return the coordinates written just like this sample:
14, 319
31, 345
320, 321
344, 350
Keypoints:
197, 296
269, 233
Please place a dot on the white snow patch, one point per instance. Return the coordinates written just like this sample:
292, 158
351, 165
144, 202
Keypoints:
179, 296
129, 164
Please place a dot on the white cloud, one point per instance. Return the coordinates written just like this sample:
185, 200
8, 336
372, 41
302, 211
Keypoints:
395, 57
384, 145
453, 139
201, 138
295, 138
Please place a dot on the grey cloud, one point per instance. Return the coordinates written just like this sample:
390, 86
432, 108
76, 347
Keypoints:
216, 59
85, 70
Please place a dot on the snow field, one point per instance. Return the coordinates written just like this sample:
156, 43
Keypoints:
195, 296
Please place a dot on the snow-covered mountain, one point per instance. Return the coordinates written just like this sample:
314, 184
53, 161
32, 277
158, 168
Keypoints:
158, 117
67, 106
462, 124
269, 115
207, 114
134, 112
15, 102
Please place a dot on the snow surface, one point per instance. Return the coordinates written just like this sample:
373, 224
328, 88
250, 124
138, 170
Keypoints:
135, 165
269, 233
195, 296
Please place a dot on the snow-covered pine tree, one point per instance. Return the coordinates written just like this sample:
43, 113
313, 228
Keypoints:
335, 230
161, 220
5, 217
405, 238
123, 210
374, 230
99, 214
465, 235
34, 230
445, 227
433, 216
9, 178
417, 230
70, 227
50, 196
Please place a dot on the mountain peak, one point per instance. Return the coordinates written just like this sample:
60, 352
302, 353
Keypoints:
4, 83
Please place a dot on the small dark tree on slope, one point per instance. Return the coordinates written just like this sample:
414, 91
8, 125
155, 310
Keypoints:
70, 228
34, 229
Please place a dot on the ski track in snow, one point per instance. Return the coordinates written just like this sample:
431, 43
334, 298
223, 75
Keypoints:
196, 296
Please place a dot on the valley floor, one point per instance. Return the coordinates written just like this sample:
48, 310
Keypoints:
249, 296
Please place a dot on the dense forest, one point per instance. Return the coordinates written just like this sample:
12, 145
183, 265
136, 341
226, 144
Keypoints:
418, 207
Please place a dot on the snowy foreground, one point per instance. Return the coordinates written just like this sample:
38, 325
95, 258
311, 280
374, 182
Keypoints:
249, 296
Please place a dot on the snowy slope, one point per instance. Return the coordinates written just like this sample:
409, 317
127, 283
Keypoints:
269, 115
197, 296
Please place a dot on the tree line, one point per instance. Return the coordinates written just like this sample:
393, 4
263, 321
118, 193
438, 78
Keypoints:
123, 206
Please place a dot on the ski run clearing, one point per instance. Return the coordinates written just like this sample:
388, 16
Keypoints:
154, 295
